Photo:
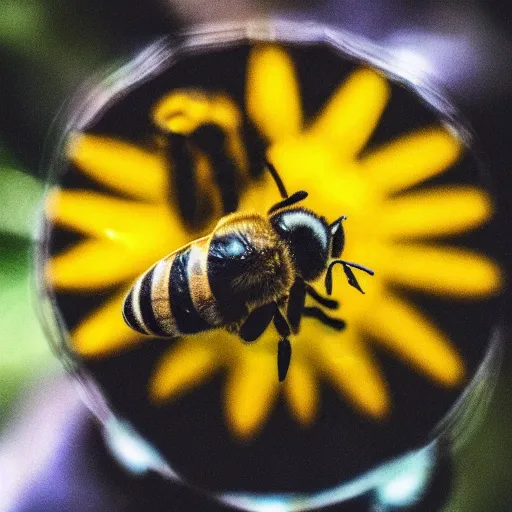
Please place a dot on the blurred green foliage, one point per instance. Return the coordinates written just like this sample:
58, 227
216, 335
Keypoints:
24, 352
46, 51
483, 471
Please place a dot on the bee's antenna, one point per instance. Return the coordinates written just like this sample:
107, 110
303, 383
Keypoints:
294, 198
352, 281
277, 179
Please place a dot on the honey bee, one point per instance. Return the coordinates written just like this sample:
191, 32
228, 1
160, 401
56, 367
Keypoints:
249, 271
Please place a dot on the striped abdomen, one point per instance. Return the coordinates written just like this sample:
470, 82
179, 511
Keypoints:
173, 297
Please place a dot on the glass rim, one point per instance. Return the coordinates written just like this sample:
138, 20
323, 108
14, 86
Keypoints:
89, 104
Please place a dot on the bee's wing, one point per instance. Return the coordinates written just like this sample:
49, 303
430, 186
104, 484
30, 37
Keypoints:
174, 253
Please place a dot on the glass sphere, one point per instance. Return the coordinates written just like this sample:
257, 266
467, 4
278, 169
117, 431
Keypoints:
379, 383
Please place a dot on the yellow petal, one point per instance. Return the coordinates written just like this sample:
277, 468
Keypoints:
97, 214
104, 332
183, 368
273, 99
91, 265
251, 390
183, 111
411, 159
301, 391
122, 166
349, 366
405, 331
442, 270
438, 211
353, 112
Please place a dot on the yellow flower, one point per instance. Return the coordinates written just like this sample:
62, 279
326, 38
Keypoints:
386, 233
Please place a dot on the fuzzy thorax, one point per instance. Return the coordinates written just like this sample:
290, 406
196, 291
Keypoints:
269, 272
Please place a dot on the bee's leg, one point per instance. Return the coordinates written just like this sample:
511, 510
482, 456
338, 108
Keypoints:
323, 301
284, 356
211, 139
296, 300
352, 281
336, 323
281, 324
257, 322
284, 349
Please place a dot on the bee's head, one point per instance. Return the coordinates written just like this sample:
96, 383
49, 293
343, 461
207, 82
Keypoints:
309, 238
